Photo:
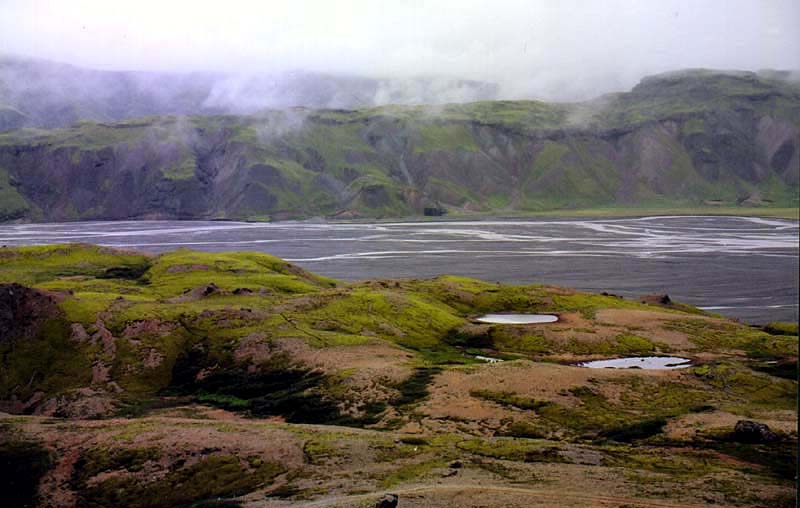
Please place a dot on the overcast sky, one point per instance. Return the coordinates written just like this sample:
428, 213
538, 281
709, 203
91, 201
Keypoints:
565, 49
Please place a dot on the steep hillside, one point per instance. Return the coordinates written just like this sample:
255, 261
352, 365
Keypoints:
180, 379
690, 139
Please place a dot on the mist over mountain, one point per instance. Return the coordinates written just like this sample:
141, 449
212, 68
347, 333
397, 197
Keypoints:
38, 93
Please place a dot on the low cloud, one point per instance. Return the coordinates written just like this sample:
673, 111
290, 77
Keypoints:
568, 50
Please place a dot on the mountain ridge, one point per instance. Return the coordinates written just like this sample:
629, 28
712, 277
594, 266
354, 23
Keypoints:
697, 138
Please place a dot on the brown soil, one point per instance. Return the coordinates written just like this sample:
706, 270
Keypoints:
24, 310
450, 394
650, 324
349, 474
686, 426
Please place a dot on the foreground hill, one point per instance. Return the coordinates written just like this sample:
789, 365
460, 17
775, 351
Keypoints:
188, 377
691, 139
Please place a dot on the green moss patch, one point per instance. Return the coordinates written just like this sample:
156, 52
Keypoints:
415, 387
278, 387
781, 328
98, 460
33, 265
743, 386
217, 476
509, 399
50, 362
722, 337
521, 450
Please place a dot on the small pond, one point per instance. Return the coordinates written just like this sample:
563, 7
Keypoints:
488, 359
641, 362
517, 319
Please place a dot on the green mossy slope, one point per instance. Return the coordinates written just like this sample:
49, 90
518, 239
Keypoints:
215, 326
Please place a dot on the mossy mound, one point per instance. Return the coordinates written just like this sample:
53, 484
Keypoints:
126, 330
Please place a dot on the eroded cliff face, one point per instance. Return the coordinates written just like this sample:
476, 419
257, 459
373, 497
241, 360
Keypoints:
709, 147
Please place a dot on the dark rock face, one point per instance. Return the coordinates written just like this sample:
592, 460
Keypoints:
210, 289
747, 431
22, 466
657, 299
432, 211
387, 501
23, 311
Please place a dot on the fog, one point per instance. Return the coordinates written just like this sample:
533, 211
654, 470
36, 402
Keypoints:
564, 50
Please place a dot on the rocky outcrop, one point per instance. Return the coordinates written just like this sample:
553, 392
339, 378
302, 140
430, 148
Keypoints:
23, 311
387, 501
747, 431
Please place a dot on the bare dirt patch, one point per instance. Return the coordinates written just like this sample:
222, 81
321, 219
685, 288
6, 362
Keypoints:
649, 324
686, 426
367, 372
375, 356
187, 268
450, 394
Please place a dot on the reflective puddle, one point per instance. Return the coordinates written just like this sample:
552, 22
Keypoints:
517, 319
640, 362
488, 359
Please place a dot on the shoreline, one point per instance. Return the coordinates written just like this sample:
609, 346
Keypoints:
784, 213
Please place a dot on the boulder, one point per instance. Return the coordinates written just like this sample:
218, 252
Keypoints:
23, 311
387, 501
747, 431
657, 299
210, 289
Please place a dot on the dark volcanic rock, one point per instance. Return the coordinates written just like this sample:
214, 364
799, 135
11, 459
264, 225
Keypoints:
210, 289
23, 311
747, 431
657, 299
387, 501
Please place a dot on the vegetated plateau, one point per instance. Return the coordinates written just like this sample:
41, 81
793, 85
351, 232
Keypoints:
239, 379
691, 141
